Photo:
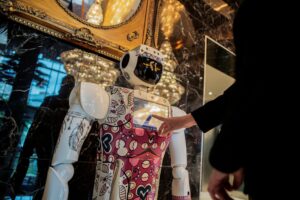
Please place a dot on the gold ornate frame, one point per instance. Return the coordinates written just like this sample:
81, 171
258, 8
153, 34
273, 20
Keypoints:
50, 17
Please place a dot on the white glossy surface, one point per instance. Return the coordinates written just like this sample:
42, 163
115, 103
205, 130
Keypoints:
94, 100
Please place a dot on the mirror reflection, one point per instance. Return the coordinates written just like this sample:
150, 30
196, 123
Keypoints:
102, 12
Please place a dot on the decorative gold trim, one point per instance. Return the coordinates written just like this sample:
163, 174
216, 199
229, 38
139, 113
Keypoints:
99, 26
32, 11
6, 6
157, 23
149, 30
149, 35
83, 34
49, 17
37, 26
132, 36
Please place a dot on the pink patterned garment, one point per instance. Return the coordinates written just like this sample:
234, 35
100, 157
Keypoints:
181, 198
131, 157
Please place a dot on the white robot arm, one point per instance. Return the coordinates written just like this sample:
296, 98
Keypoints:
180, 183
88, 102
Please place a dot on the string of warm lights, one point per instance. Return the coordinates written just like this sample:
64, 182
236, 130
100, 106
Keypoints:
89, 67
170, 14
118, 11
168, 86
170, 62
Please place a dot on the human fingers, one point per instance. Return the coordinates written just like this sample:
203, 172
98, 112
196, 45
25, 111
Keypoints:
228, 186
212, 189
159, 117
213, 192
164, 129
217, 185
238, 178
223, 194
219, 193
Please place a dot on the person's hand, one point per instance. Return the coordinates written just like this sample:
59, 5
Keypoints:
219, 184
167, 125
173, 123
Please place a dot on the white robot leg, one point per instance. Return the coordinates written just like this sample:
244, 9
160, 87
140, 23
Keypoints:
180, 183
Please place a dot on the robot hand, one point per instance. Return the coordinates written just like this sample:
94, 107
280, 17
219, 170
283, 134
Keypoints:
88, 101
180, 183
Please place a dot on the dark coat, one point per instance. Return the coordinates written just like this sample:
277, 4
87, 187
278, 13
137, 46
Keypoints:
256, 112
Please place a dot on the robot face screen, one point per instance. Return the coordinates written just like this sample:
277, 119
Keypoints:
142, 115
148, 70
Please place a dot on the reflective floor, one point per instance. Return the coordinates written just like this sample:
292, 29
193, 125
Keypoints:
234, 195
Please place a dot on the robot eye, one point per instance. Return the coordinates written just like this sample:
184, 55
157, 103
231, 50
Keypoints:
125, 61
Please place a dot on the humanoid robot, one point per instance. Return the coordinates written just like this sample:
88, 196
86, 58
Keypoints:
131, 151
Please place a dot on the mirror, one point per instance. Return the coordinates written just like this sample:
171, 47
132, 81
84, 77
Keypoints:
102, 13
34, 90
106, 27
218, 76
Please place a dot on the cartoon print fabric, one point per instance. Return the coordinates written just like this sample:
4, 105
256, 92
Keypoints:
130, 158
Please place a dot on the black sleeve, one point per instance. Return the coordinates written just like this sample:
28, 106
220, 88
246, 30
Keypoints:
229, 150
228, 109
212, 114
231, 109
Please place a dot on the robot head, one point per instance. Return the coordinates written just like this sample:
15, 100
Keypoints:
142, 66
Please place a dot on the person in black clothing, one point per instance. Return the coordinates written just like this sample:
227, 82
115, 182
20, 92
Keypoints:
42, 136
255, 112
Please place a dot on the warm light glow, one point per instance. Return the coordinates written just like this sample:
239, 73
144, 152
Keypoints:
95, 14
89, 67
118, 11
179, 44
168, 87
221, 7
170, 14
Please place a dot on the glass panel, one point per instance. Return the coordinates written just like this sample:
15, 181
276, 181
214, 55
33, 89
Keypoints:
31, 74
181, 42
142, 115
218, 76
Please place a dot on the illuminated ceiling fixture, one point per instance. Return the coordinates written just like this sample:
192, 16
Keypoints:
179, 44
89, 67
169, 16
168, 87
95, 13
221, 7
118, 11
